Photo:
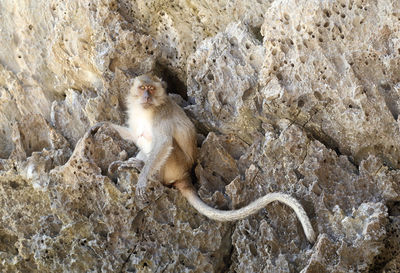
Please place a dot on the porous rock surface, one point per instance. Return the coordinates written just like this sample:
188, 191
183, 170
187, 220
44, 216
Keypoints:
296, 96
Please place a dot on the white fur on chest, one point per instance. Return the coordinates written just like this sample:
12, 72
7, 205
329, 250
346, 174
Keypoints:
141, 123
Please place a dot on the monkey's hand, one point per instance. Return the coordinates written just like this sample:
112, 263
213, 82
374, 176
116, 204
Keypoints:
141, 186
145, 182
97, 126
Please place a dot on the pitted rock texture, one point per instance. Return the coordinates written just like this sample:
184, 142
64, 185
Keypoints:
296, 96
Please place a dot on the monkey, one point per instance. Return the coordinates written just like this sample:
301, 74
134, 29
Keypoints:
167, 144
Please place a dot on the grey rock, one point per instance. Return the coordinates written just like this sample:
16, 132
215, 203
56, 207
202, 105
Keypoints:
301, 97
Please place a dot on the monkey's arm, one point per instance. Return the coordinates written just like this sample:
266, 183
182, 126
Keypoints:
190, 194
155, 160
124, 132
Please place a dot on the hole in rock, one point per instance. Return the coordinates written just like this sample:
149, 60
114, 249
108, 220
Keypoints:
257, 33
174, 84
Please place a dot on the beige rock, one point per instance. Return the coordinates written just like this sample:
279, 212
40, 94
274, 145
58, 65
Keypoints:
296, 96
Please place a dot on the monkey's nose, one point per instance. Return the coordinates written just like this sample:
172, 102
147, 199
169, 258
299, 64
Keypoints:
146, 95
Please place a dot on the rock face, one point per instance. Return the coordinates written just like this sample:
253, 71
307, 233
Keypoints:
296, 96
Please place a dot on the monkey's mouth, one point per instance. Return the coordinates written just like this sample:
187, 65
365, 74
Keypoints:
146, 104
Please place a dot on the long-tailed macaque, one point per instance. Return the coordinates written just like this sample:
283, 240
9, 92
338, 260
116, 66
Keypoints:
167, 141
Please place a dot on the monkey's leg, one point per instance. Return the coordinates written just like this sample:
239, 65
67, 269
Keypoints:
175, 167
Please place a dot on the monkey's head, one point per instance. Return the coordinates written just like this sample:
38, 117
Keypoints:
148, 91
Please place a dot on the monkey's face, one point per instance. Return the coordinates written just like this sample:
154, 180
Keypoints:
148, 92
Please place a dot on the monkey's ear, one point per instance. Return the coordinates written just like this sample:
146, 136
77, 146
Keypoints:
164, 85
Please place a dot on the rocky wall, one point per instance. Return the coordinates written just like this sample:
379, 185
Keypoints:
296, 96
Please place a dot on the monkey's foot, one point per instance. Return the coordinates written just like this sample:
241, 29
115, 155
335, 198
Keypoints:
128, 164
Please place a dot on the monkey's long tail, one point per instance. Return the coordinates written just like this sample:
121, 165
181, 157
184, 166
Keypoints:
190, 194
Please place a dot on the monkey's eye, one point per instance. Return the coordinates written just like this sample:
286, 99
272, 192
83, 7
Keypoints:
142, 87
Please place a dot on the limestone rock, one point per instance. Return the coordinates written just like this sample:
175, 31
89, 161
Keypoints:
296, 96
332, 66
